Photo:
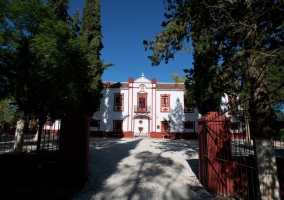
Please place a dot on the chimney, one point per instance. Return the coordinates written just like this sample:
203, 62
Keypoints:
176, 86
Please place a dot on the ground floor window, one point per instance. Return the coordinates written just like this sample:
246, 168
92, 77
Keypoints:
117, 125
165, 126
188, 125
94, 125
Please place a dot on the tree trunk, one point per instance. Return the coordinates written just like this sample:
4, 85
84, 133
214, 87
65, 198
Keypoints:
265, 154
267, 170
19, 134
247, 128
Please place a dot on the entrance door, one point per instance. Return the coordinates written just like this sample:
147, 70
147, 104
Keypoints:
142, 102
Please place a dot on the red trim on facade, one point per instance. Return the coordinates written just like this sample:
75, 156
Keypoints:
130, 80
154, 81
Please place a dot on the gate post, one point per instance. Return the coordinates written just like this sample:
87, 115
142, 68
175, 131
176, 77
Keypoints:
74, 148
213, 141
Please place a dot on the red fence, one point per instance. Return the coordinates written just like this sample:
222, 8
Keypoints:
227, 162
226, 165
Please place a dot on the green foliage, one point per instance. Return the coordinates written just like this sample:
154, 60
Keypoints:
281, 135
7, 114
60, 9
44, 64
91, 32
235, 44
176, 78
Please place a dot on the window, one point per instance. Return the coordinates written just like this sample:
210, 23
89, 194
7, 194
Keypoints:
188, 125
165, 103
118, 102
94, 125
165, 126
117, 126
188, 105
141, 102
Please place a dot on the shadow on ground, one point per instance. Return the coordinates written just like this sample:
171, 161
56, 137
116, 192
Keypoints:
119, 171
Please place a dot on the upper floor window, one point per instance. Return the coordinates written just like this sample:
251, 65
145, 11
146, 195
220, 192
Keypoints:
117, 125
165, 103
118, 102
165, 126
188, 105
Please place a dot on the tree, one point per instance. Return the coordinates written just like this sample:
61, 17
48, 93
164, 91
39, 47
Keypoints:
176, 78
7, 113
60, 9
91, 32
44, 65
244, 38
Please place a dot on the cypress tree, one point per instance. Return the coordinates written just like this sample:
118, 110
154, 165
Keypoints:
91, 32
60, 9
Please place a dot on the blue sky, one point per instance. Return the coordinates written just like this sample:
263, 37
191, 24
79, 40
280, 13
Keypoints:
125, 23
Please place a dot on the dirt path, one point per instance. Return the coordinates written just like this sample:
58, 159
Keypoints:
130, 169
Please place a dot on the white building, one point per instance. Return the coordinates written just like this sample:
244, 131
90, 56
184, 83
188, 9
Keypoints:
145, 108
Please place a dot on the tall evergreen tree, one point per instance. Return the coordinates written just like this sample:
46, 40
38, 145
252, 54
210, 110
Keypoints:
60, 9
91, 32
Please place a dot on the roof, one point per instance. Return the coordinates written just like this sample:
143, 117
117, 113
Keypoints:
159, 86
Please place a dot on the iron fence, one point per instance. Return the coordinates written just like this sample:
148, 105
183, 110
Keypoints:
49, 141
60, 162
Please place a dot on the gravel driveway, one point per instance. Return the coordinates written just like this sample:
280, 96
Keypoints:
130, 169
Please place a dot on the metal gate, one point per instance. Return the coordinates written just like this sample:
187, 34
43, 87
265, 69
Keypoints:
227, 155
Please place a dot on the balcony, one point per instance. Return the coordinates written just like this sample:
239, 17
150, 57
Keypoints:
142, 110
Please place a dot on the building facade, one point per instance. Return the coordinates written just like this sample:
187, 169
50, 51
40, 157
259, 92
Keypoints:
145, 108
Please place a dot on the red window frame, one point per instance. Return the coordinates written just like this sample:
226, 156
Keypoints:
165, 103
118, 102
142, 102
165, 126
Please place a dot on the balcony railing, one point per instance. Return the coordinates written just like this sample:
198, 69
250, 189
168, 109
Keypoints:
142, 110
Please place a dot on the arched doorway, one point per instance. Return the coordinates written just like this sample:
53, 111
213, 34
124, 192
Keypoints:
141, 126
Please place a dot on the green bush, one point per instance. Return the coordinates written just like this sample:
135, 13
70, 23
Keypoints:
281, 135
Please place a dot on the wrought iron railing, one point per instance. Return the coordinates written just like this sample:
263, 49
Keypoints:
138, 109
